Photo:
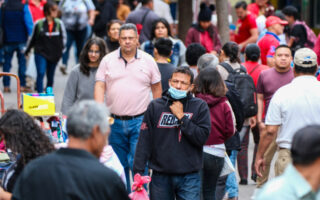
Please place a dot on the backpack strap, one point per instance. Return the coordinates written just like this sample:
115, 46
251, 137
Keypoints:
144, 16
227, 67
57, 23
254, 69
40, 26
243, 69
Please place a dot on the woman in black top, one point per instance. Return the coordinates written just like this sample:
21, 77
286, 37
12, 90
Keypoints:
48, 39
112, 40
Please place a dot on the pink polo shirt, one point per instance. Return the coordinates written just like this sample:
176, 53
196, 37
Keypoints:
128, 85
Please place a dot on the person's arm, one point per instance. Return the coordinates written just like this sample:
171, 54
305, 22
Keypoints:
230, 127
260, 99
189, 37
144, 145
195, 130
4, 195
216, 41
252, 39
291, 41
31, 39
64, 35
265, 141
28, 19
156, 90
99, 91
70, 92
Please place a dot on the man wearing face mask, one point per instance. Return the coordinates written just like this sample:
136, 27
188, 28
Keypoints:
174, 130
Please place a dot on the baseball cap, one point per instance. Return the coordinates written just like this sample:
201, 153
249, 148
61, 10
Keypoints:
306, 143
305, 57
271, 20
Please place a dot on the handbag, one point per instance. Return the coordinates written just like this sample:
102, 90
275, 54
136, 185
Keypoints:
228, 167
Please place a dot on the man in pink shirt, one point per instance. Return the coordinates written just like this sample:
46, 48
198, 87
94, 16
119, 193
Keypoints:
125, 78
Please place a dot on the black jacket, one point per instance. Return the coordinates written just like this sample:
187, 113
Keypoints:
48, 45
172, 146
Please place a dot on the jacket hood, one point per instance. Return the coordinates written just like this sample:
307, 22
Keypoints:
210, 99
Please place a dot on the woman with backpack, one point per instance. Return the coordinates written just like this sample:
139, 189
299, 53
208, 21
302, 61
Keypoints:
81, 81
210, 87
48, 39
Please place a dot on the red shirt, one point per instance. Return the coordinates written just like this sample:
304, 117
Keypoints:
36, 11
268, 44
206, 41
254, 73
254, 9
243, 28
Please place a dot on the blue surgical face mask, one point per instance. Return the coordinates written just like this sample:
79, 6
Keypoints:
177, 94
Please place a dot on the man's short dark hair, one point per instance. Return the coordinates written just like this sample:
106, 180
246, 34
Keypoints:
282, 46
193, 53
305, 70
163, 46
184, 70
291, 11
241, 4
145, 2
252, 52
305, 147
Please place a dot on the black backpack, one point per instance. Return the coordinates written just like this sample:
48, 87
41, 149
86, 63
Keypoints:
236, 105
244, 84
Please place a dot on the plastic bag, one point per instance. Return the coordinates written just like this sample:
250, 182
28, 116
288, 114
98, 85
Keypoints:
228, 168
139, 192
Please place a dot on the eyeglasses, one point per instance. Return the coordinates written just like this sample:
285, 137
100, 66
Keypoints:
93, 52
176, 82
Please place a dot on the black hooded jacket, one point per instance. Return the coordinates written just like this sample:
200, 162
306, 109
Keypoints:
169, 145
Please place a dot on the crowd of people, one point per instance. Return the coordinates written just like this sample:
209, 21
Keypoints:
175, 110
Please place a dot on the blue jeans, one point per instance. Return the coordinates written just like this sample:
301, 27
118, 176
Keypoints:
123, 139
169, 186
212, 166
9, 49
79, 37
232, 183
44, 66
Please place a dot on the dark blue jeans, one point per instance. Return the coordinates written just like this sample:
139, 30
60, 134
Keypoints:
169, 187
79, 37
44, 67
123, 139
212, 166
9, 50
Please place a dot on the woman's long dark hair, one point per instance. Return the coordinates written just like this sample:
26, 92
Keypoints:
154, 26
231, 50
209, 81
23, 136
84, 58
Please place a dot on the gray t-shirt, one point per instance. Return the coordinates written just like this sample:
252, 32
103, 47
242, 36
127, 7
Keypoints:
136, 17
79, 87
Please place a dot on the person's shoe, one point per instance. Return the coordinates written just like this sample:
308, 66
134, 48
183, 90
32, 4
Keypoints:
26, 89
6, 90
63, 69
243, 182
254, 177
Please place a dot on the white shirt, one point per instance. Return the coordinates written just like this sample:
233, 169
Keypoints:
293, 107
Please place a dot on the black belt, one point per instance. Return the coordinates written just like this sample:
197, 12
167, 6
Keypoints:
125, 117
